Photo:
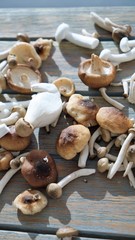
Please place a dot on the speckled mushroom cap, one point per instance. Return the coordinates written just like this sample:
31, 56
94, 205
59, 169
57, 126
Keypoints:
113, 120
66, 231
96, 72
82, 110
72, 141
21, 78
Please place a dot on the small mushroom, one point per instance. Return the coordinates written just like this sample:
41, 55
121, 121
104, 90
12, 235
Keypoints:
22, 77
126, 45
130, 154
30, 202
103, 164
5, 158
66, 233
39, 168
96, 72
72, 140
54, 190
16, 113
12, 142
65, 86
43, 47
25, 53
23, 37
82, 109
114, 120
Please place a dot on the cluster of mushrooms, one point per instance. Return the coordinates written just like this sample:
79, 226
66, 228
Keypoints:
18, 120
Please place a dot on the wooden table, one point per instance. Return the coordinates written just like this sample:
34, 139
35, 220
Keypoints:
99, 208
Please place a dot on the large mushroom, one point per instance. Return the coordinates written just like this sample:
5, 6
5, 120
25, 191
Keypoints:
72, 140
82, 109
39, 168
96, 72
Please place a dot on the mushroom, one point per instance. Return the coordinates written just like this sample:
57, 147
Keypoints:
82, 109
96, 72
126, 45
3, 83
25, 53
5, 158
12, 142
9, 105
30, 202
72, 140
39, 168
83, 156
54, 190
48, 108
65, 86
63, 32
114, 120
103, 164
43, 47
66, 233
16, 113
130, 154
120, 140
21, 78
23, 37
131, 97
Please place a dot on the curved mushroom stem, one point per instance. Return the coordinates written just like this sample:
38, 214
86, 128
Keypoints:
110, 100
131, 97
100, 21
83, 157
129, 173
122, 153
94, 34
93, 138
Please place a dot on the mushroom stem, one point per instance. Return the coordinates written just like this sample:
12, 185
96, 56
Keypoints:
10, 105
83, 157
4, 54
129, 172
110, 100
122, 154
100, 21
54, 190
126, 45
3, 64
125, 88
93, 138
131, 97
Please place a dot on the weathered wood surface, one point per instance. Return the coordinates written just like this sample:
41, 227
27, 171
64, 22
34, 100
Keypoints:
99, 207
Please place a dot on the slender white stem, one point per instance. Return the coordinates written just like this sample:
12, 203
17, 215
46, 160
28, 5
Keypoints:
129, 173
83, 157
3, 64
131, 97
93, 138
72, 176
128, 168
4, 54
10, 105
100, 21
110, 100
10, 120
111, 157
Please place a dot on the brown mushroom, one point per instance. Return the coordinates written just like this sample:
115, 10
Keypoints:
67, 232
82, 109
113, 120
130, 155
72, 140
5, 158
65, 86
43, 47
22, 77
96, 72
39, 168
12, 142
30, 202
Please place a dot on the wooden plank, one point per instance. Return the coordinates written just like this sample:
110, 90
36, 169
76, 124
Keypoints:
43, 22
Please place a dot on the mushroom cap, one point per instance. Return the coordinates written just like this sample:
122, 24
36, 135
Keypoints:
12, 142
82, 110
22, 77
43, 47
23, 128
113, 120
26, 54
130, 155
102, 164
39, 168
124, 47
96, 72
5, 158
54, 190
61, 32
30, 202
65, 86
72, 141
66, 231
23, 37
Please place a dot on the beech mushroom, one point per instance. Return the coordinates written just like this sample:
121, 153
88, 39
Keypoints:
82, 109
66, 233
130, 155
30, 202
96, 72
39, 168
5, 158
48, 108
103, 164
21, 78
12, 142
114, 120
25, 53
72, 140
43, 47
65, 86
54, 190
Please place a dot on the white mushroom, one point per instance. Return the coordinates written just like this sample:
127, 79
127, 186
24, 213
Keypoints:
131, 97
83, 157
110, 100
126, 45
93, 138
16, 113
54, 190
63, 32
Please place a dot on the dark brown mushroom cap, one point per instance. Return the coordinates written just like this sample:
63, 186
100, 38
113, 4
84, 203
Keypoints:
96, 72
82, 110
114, 120
12, 142
66, 231
72, 141
39, 168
